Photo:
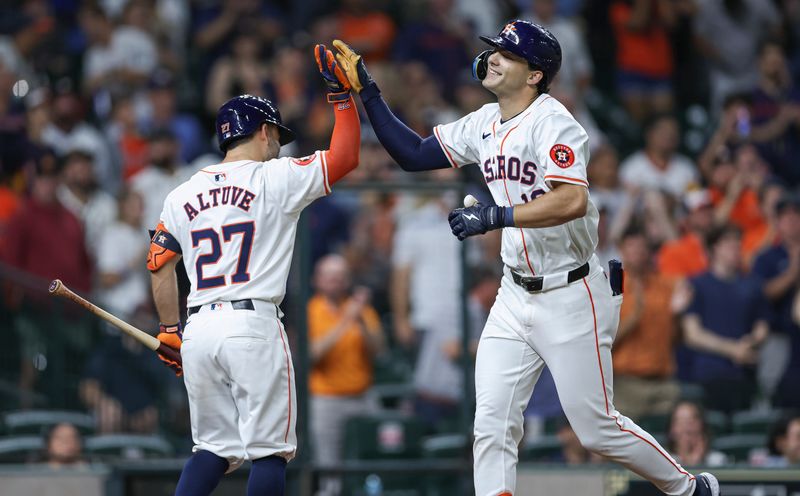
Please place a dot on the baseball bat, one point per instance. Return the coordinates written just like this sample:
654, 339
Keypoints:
59, 289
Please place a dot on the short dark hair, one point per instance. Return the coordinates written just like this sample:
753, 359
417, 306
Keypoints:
656, 118
720, 233
542, 86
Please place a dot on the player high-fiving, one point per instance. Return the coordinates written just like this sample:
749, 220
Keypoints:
555, 305
233, 224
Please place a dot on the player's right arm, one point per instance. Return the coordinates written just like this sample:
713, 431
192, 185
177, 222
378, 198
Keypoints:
164, 254
406, 147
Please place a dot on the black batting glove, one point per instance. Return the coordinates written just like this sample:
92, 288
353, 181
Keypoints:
469, 221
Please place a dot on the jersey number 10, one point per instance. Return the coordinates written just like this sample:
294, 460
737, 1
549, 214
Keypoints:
246, 229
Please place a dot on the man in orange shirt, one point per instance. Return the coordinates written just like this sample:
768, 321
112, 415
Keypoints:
345, 334
643, 351
686, 257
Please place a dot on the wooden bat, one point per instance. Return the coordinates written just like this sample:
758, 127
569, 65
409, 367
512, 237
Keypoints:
59, 289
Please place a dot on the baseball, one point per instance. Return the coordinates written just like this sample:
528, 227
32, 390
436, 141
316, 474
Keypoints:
470, 201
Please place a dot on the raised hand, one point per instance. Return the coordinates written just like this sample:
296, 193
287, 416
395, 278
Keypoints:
335, 79
353, 66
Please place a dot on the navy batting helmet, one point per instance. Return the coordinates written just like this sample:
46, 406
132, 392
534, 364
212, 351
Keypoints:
243, 115
533, 43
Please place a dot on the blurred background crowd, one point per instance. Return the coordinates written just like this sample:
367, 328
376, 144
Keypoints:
693, 114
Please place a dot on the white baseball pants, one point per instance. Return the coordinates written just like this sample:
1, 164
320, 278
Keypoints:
239, 377
571, 329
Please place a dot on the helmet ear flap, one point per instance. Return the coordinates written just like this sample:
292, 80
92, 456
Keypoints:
481, 65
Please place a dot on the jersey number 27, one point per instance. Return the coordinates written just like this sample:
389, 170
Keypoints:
246, 229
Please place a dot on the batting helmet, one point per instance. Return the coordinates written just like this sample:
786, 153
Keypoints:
243, 115
533, 43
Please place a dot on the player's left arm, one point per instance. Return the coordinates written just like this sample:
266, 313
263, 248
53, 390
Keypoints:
343, 155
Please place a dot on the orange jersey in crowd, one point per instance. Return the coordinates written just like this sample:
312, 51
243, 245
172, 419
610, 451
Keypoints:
647, 51
347, 367
684, 257
647, 350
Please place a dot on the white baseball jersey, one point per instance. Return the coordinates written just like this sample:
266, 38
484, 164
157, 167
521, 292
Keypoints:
520, 159
570, 327
236, 225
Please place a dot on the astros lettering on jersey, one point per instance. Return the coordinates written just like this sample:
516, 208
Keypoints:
520, 158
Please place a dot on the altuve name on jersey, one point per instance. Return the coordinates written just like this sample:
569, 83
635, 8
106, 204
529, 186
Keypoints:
227, 195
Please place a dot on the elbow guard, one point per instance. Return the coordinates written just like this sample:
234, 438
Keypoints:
163, 248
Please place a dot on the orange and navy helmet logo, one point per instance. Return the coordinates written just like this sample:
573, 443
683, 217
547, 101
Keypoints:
562, 155
510, 33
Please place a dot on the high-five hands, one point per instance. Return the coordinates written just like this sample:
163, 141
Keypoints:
335, 79
353, 66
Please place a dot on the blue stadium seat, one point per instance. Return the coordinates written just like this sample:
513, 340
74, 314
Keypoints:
127, 446
20, 449
37, 421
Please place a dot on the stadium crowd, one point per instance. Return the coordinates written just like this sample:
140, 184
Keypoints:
693, 115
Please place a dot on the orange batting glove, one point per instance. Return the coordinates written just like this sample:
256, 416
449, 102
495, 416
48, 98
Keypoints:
338, 85
171, 336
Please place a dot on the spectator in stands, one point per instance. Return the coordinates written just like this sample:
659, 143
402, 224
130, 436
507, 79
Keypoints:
215, 24
775, 113
67, 129
63, 447
687, 256
120, 251
162, 112
727, 34
644, 55
438, 39
242, 70
763, 236
778, 267
575, 74
644, 362
345, 335
689, 439
42, 219
121, 385
127, 142
790, 446
772, 455
725, 324
423, 320
119, 58
164, 174
80, 194
658, 166
45, 241
607, 193
368, 29
734, 189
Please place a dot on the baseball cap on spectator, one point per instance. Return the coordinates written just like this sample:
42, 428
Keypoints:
789, 201
696, 199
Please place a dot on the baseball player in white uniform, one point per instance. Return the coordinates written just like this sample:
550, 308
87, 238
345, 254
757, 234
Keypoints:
234, 224
555, 305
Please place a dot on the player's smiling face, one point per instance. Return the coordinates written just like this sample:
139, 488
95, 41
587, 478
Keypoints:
507, 73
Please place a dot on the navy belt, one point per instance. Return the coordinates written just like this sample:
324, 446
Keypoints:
236, 305
533, 284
